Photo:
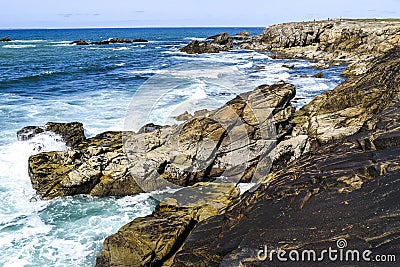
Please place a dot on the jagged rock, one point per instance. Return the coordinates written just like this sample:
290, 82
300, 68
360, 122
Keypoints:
72, 133
347, 189
5, 39
219, 42
318, 75
291, 67
320, 65
152, 240
112, 41
79, 42
139, 40
244, 35
230, 140
28, 132
342, 111
184, 116
148, 128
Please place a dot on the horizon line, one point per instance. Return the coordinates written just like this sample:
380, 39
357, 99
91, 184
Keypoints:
126, 27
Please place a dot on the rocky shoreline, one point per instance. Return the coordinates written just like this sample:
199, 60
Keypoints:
327, 171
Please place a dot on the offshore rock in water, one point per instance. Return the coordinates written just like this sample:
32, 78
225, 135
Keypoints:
213, 44
79, 42
200, 149
110, 41
72, 132
5, 39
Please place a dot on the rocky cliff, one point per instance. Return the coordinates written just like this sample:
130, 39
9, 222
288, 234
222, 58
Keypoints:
337, 39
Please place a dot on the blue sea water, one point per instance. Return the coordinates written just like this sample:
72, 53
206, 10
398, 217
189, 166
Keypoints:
44, 78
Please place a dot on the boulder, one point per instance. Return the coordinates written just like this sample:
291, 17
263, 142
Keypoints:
112, 41
320, 65
139, 40
291, 67
5, 39
213, 44
119, 41
29, 132
318, 75
79, 42
244, 35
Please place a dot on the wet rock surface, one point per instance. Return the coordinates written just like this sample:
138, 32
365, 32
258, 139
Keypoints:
154, 239
5, 39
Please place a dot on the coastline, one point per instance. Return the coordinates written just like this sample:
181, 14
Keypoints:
302, 134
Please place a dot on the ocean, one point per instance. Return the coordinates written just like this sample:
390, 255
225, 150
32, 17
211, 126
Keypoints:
44, 78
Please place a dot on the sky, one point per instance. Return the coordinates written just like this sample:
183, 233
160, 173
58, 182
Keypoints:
183, 13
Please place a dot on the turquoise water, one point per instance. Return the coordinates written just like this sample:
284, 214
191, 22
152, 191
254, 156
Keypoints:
43, 78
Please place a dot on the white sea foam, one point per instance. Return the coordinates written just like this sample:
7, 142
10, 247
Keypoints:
194, 38
120, 48
28, 41
243, 187
19, 46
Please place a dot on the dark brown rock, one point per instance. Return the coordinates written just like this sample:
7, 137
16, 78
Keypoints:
72, 133
244, 35
5, 39
112, 41
318, 75
79, 42
213, 44
28, 132
291, 67
139, 40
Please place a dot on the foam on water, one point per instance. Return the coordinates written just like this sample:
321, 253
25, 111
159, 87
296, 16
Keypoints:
18, 46
62, 232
